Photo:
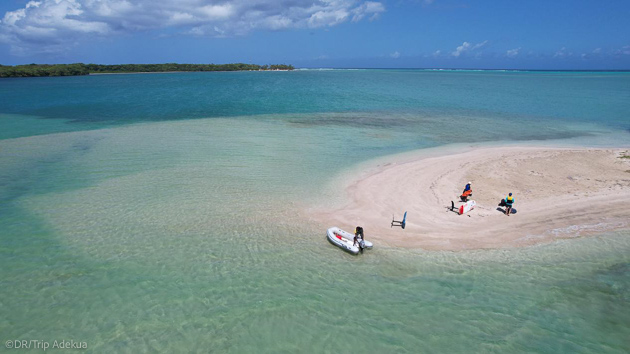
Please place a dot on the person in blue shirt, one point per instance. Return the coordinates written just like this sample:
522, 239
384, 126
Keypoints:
509, 200
466, 193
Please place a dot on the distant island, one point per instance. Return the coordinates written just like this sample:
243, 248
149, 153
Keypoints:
39, 70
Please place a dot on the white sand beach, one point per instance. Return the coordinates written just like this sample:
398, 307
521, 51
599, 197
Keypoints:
560, 193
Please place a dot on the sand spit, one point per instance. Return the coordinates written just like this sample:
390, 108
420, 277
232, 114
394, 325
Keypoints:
560, 193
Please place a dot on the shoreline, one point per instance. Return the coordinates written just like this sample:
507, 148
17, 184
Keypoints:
81, 69
561, 192
173, 72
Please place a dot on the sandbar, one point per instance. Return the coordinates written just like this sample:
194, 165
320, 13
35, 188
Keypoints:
560, 193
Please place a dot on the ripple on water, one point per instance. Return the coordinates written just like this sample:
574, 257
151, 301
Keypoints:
154, 240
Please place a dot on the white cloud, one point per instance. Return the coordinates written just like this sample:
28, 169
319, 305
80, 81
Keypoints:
479, 45
328, 18
395, 55
467, 47
368, 8
562, 53
461, 49
625, 50
55, 25
435, 54
596, 53
512, 53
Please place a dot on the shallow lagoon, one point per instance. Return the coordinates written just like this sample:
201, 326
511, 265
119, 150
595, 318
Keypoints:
138, 235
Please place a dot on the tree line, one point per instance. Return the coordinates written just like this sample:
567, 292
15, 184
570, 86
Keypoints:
37, 70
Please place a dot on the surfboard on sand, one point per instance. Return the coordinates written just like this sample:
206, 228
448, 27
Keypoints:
466, 207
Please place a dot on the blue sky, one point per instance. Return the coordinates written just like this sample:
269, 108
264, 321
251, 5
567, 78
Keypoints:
533, 34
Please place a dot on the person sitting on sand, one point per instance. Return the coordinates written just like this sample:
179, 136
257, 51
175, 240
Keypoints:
466, 193
509, 200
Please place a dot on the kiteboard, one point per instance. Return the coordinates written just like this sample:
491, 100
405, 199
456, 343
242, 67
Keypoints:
466, 207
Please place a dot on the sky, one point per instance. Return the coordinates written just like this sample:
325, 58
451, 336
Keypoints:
533, 34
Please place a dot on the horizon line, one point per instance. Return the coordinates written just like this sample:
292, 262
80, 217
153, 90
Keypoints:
348, 67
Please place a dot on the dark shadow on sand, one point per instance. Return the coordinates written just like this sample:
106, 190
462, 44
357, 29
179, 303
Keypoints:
503, 210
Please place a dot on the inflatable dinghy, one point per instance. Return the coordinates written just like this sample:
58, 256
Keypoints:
345, 240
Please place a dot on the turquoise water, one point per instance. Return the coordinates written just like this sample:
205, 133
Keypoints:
160, 212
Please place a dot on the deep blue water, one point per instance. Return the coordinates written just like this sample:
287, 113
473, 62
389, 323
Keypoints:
118, 99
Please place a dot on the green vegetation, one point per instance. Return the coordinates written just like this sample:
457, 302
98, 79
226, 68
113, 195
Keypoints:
36, 70
624, 155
